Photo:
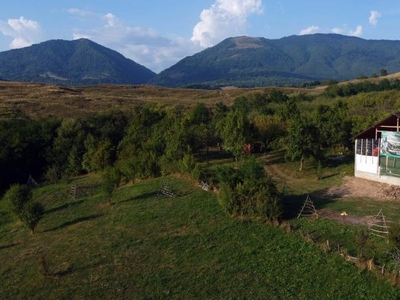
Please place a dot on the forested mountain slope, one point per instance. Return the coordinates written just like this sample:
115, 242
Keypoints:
78, 62
247, 61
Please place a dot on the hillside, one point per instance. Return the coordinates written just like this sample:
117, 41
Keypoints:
149, 247
41, 100
77, 62
294, 60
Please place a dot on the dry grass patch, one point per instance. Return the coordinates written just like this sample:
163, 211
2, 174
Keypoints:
41, 100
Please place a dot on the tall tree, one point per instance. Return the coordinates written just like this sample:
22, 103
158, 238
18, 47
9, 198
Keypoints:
303, 141
333, 124
68, 148
22, 205
269, 129
234, 130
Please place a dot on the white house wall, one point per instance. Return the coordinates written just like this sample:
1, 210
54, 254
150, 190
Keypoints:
369, 164
367, 167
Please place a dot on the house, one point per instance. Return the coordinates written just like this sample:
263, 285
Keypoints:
377, 151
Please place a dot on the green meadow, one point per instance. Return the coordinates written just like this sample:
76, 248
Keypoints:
149, 246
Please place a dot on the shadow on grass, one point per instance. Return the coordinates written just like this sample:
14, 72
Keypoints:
273, 160
213, 155
335, 161
76, 221
63, 272
64, 206
329, 176
8, 246
292, 205
145, 196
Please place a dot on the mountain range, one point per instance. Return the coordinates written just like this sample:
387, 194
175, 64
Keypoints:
77, 62
237, 61
246, 61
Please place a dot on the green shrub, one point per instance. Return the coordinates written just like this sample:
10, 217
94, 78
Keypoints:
28, 211
197, 172
31, 215
111, 179
226, 197
248, 191
53, 174
18, 195
187, 164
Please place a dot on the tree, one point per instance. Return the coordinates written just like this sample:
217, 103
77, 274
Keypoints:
383, 72
333, 119
111, 179
289, 111
269, 128
28, 211
234, 130
68, 148
241, 103
100, 157
18, 196
199, 114
31, 215
303, 141
249, 191
24, 145
278, 96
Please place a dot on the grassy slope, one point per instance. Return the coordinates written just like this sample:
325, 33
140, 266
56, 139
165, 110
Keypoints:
40, 100
173, 248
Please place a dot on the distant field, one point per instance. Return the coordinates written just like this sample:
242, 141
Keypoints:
40, 100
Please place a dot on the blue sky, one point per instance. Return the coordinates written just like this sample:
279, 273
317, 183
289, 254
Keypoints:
159, 33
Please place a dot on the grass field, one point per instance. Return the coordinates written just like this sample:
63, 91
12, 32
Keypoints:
42, 100
149, 247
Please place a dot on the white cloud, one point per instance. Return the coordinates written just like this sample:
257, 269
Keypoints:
223, 19
112, 20
309, 30
24, 32
338, 30
374, 16
357, 32
143, 45
346, 31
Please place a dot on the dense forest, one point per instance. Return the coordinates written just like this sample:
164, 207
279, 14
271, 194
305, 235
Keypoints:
154, 140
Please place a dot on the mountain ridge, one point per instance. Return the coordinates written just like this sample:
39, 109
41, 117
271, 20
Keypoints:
248, 62
77, 62
236, 61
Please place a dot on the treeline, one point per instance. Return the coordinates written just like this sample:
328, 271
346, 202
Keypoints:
154, 140
351, 89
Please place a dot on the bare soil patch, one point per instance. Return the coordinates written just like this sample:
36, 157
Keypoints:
358, 187
344, 219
